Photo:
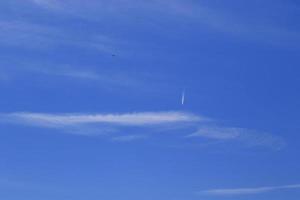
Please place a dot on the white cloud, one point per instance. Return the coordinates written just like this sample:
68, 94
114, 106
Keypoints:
19, 33
218, 133
155, 122
106, 79
127, 119
247, 191
239, 135
42, 36
118, 127
207, 17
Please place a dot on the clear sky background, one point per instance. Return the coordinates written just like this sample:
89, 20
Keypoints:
90, 104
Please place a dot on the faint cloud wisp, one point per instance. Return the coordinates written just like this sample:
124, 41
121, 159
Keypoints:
246, 191
109, 124
240, 135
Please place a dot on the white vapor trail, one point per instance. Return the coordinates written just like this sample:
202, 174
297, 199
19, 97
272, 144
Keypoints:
183, 97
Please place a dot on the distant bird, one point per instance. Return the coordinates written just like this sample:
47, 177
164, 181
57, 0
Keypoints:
183, 97
113, 55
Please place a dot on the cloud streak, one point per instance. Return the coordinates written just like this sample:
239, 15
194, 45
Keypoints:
240, 135
207, 17
127, 119
107, 79
20, 33
137, 125
31, 35
247, 191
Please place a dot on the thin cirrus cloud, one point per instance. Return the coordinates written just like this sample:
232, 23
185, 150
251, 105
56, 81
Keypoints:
124, 127
108, 79
112, 124
28, 34
247, 191
207, 17
239, 135
20, 33
41, 36
128, 119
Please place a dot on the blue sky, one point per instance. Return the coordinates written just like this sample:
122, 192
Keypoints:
91, 99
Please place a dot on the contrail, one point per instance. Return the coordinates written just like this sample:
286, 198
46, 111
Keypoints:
183, 97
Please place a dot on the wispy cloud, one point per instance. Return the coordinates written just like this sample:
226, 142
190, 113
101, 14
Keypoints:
31, 35
218, 133
241, 135
206, 16
247, 191
107, 79
232, 23
19, 33
118, 127
177, 9
128, 119
157, 122
77, 74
